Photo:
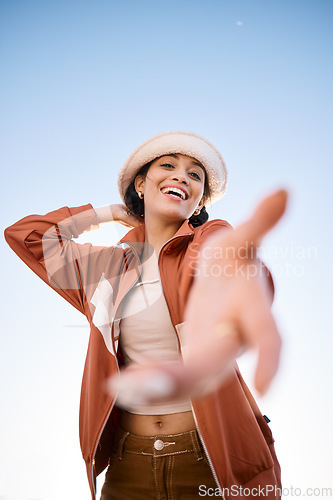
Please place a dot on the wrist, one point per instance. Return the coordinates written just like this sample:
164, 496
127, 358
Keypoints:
104, 214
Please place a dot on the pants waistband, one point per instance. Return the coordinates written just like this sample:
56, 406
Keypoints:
159, 445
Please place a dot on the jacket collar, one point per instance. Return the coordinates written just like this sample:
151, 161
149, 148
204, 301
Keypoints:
138, 233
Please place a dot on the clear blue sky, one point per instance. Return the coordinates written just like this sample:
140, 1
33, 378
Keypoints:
83, 83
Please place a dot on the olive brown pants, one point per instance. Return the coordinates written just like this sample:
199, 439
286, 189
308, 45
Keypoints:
162, 467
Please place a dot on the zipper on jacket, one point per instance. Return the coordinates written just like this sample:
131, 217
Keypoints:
206, 452
97, 443
115, 398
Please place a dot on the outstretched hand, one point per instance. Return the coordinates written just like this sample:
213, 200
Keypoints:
229, 307
228, 310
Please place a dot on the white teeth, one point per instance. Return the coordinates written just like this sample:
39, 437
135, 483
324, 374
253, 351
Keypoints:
174, 190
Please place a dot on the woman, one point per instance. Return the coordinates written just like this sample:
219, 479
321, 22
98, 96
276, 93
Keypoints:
136, 296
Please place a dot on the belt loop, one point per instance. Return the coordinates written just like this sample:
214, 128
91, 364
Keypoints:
197, 445
121, 445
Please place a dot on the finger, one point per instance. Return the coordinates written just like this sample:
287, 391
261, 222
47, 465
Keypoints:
265, 217
259, 331
129, 219
268, 359
209, 334
247, 236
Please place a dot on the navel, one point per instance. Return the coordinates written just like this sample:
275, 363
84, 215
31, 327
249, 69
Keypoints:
159, 424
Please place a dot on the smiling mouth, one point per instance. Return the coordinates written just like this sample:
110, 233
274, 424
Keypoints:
178, 193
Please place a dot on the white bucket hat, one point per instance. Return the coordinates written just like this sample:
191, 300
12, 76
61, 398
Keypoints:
185, 143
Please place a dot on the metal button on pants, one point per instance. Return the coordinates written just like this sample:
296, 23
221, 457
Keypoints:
158, 444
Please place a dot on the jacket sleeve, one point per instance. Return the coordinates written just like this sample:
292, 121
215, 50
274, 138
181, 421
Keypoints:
45, 244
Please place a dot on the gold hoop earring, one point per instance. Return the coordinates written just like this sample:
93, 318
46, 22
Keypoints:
140, 195
197, 211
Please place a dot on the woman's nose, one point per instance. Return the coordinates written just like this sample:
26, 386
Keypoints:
180, 177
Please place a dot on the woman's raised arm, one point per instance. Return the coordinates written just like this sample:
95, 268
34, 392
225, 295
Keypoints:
45, 244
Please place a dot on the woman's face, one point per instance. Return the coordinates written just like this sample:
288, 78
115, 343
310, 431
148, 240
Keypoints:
173, 187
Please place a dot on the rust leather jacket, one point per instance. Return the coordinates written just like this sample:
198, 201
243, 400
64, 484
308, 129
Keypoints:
94, 279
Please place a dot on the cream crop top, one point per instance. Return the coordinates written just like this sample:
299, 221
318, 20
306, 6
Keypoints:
147, 333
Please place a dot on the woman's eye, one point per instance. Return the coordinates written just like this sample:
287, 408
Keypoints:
168, 165
195, 175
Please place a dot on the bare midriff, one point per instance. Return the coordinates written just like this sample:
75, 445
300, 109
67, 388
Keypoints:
152, 425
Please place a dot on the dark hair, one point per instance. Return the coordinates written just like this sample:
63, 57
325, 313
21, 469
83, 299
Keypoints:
136, 205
